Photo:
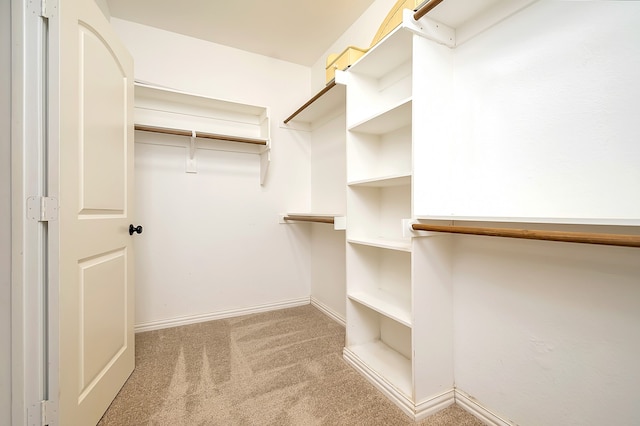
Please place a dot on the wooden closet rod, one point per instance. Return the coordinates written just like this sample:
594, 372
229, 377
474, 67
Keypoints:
569, 237
180, 132
426, 8
302, 218
310, 101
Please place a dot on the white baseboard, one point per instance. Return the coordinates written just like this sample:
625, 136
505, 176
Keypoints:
414, 411
328, 311
469, 404
192, 319
432, 405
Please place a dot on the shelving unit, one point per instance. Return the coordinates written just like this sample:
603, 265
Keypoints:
399, 292
387, 319
208, 123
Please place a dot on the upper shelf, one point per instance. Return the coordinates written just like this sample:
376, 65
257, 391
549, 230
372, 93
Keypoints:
160, 107
222, 123
147, 94
327, 100
385, 56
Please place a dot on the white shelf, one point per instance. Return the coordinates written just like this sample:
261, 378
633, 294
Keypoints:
385, 56
383, 181
394, 306
200, 122
384, 243
376, 213
168, 108
396, 116
387, 363
185, 101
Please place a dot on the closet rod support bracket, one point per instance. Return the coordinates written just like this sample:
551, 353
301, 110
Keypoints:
191, 154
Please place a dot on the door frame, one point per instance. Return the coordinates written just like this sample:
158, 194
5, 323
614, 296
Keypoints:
34, 332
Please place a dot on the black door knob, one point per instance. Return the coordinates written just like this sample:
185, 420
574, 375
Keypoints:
133, 229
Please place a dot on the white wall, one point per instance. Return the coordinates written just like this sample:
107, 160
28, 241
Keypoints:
5, 213
166, 292
328, 195
545, 119
212, 242
547, 333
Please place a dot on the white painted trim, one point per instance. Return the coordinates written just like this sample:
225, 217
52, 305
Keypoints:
18, 181
328, 312
414, 411
469, 404
434, 404
379, 382
28, 250
193, 319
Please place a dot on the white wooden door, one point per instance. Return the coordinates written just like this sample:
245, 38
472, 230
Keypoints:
96, 268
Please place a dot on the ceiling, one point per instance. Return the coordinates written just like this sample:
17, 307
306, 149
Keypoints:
298, 31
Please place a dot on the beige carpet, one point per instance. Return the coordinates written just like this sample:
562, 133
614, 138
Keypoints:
277, 368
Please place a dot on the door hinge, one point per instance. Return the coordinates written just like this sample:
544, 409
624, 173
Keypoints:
48, 8
47, 409
40, 414
42, 209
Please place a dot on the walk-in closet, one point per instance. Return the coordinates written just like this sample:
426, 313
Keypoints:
429, 208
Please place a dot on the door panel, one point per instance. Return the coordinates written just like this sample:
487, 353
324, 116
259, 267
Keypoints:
102, 295
95, 191
103, 141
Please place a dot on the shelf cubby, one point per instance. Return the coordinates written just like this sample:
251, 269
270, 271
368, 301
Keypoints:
381, 345
374, 156
380, 278
377, 212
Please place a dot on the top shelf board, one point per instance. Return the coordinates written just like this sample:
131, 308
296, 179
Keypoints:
385, 56
151, 97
